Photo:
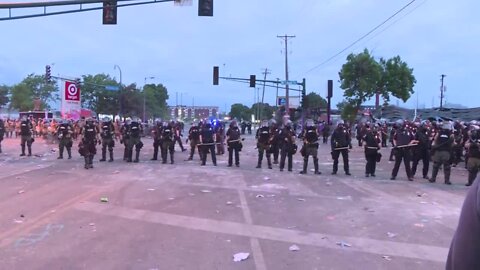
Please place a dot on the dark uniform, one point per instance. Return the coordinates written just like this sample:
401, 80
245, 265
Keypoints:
134, 131
157, 139
220, 139
339, 143
178, 135
442, 147
125, 138
168, 143
65, 133
88, 145
310, 148
194, 137
263, 145
275, 142
402, 138
473, 149
457, 149
326, 133
207, 141
372, 141
26, 130
234, 144
287, 147
2, 133
422, 151
108, 140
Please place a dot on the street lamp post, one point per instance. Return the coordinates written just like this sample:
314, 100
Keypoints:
120, 90
144, 100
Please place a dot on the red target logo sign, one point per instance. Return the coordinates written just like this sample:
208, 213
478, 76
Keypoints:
72, 91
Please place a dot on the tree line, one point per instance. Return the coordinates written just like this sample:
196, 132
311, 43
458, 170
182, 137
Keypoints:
128, 100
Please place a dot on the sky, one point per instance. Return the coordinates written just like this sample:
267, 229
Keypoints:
179, 49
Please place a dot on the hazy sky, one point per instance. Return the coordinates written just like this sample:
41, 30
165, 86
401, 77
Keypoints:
179, 48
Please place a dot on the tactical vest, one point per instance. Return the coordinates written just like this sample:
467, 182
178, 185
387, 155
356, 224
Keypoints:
64, 130
25, 128
340, 138
403, 137
107, 130
194, 133
443, 143
263, 135
135, 129
234, 133
371, 139
207, 135
89, 133
311, 135
167, 133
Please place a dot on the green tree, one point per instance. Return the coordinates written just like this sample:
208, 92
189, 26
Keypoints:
397, 79
314, 101
96, 98
22, 98
47, 93
348, 111
131, 100
266, 111
156, 100
4, 92
240, 111
359, 78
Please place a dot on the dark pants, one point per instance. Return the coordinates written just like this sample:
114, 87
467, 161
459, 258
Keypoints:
107, 143
179, 141
441, 158
233, 147
275, 150
423, 155
405, 154
371, 157
336, 155
310, 150
167, 147
193, 146
205, 149
325, 138
284, 154
156, 145
473, 167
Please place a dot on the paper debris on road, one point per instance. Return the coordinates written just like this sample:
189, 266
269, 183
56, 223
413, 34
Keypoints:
343, 244
240, 257
21, 191
419, 225
344, 198
266, 178
301, 199
91, 224
391, 235
18, 221
104, 199
151, 189
388, 258
171, 199
294, 248
229, 203
205, 191
260, 196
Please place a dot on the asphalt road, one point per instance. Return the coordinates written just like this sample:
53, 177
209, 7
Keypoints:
185, 216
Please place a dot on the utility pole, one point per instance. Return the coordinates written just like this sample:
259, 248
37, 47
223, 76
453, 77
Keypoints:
442, 89
287, 100
265, 73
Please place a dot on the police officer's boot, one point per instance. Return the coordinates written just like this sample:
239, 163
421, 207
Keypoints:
137, 156
171, 158
69, 152
91, 162
60, 153
129, 155
434, 173
111, 155
472, 174
305, 165
29, 147
259, 163
104, 154
0, 148
125, 154
23, 151
315, 164
447, 171
87, 162
391, 155
269, 162
155, 154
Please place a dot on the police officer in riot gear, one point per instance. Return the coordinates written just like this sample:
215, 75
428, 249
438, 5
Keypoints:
403, 140
125, 137
64, 133
207, 142
473, 150
422, 150
263, 144
287, 146
107, 135
134, 132
194, 137
168, 141
442, 147
157, 135
310, 146
26, 131
2, 133
340, 142
275, 140
234, 143
372, 145
89, 140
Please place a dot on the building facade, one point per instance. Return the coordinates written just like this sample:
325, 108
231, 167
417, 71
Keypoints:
193, 112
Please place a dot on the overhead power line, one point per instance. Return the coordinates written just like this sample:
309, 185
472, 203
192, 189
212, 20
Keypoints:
362, 37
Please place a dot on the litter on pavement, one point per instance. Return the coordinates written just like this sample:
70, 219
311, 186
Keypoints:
205, 191
240, 257
388, 258
391, 235
104, 199
260, 196
343, 244
21, 191
294, 248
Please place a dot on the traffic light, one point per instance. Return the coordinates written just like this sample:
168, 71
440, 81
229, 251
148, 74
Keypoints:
215, 75
48, 74
77, 83
110, 12
205, 8
253, 79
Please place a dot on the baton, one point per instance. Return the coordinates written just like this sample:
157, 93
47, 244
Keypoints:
242, 139
341, 148
201, 144
407, 145
371, 147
